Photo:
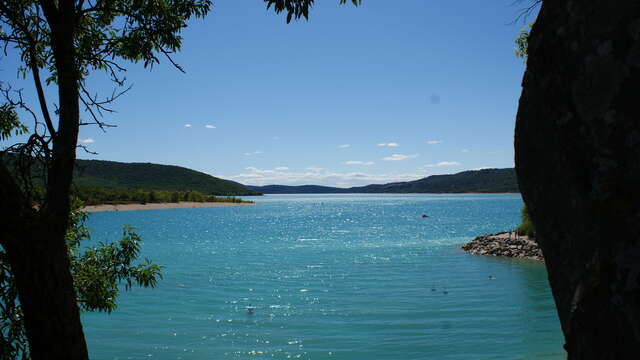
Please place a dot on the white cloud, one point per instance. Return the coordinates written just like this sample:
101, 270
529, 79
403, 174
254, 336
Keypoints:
187, 125
391, 144
210, 126
255, 170
445, 163
315, 169
448, 163
344, 146
358, 162
253, 153
382, 144
87, 141
259, 177
465, 150
398, 157
281, 168
434, 142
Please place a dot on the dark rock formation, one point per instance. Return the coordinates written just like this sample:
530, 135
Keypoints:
577, 146
507, 244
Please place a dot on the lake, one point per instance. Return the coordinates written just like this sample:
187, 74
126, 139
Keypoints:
329, 277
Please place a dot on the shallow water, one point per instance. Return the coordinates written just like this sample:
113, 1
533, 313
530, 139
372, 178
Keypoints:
330, 277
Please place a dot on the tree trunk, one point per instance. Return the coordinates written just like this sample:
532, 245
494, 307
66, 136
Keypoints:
45, 287
577, 145
36, 246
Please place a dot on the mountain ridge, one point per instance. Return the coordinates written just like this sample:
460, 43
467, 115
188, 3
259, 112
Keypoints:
470, 181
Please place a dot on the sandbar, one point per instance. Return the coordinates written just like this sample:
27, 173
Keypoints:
157, 206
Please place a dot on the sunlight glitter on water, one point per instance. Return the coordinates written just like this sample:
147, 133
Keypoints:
367, 278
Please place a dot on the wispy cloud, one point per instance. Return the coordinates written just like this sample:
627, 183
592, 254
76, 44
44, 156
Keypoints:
445, 163
448, 163
282, 168
315, 169
434, 142
465, 150
253, 153
187, 125
344, 146
358, 162
399, 157
210, 126
87, 141
391, 144
255, 176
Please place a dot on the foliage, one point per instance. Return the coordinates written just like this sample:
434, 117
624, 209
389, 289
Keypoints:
100, 195
522, 43
298, 8
111, 174
9, 122
526, 227
97, 271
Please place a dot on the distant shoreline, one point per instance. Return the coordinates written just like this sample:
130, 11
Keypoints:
157, 206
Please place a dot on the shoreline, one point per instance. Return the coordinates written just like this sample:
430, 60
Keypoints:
505, 244
157, 206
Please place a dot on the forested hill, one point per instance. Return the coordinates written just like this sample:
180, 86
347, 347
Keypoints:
481, 181
111, 174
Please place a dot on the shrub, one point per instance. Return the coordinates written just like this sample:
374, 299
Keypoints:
526, 227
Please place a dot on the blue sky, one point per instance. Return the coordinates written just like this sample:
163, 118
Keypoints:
389, 91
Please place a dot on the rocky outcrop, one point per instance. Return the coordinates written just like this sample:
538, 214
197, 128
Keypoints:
507, 243
577, 151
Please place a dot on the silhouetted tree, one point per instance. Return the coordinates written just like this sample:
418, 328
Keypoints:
67, 40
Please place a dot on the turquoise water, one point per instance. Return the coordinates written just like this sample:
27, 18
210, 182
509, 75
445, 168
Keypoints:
330, 277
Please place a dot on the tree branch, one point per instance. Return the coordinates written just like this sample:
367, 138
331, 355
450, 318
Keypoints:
41, 97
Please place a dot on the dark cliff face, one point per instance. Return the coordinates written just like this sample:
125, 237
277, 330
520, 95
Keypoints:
577, 146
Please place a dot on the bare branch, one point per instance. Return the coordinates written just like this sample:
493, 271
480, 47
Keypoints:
86, 149
524, 13
95, 107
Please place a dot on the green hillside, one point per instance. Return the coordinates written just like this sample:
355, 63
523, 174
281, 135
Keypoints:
112, 174
480, 181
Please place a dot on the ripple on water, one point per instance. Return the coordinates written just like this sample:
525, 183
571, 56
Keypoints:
329, 277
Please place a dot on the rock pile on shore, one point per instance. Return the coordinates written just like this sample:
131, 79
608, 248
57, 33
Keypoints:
507, 243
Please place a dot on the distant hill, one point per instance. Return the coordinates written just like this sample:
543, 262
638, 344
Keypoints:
481, 181
112, 174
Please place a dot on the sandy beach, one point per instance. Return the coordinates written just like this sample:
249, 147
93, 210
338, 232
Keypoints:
157, 206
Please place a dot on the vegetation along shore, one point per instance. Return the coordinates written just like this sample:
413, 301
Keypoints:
158, 206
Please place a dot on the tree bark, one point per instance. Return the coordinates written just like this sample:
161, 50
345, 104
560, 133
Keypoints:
577, 145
